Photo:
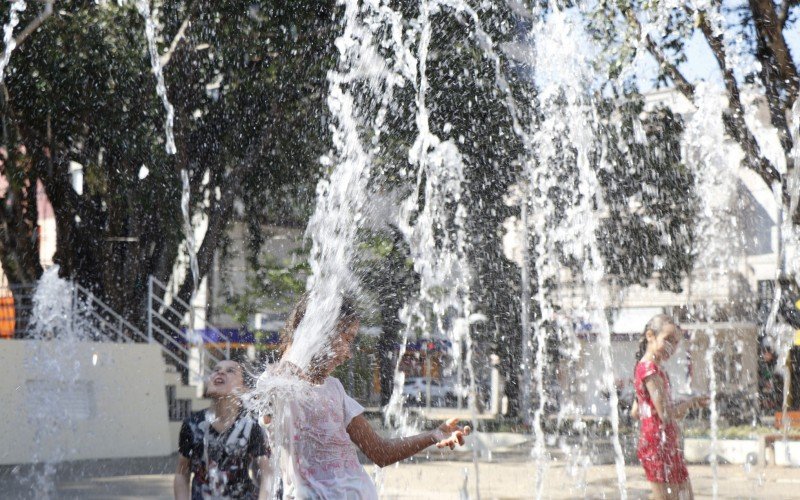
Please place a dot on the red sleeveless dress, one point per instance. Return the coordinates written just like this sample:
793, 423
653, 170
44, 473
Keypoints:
658, 450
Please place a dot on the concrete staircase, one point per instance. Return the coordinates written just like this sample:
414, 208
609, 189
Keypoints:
182, 399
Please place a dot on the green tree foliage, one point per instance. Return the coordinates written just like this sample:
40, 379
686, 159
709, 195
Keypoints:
272, 285
388, 276
465, 105
647, 191
464, 81
748, 44
248, 84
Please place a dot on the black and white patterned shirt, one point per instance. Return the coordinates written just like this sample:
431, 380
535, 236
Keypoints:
223, 464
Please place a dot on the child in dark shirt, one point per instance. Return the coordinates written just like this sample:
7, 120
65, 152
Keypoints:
221, 445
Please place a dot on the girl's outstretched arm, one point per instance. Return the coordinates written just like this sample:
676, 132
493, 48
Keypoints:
655, 386
385, 451
180, 484
680, 409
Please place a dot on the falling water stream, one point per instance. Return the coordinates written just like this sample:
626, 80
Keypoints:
570, 123
15, 7
716, 184
143, 6
379, 53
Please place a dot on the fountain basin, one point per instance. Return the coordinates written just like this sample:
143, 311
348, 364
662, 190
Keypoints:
766, 449
734, 451
793, 448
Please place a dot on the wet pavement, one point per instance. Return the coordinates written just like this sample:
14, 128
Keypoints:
437, 476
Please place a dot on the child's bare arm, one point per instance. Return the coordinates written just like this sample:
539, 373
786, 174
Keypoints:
265, 471
383, 451
180, 484
635, 409
655, 386
681, 409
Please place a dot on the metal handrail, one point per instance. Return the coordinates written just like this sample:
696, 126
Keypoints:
157, 309
118, 322
168, 339
154, 316
117, 317
108, 325
167, 307
174, 297
165, 335
206, 360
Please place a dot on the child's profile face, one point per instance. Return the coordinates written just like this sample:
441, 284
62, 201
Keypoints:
667, 341
341, 347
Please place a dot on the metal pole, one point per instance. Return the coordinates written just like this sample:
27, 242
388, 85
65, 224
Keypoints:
525, 375
427, 378
74, 309
150, 309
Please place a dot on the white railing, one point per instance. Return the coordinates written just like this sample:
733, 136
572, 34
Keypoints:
163, 326
109, 324
104, 324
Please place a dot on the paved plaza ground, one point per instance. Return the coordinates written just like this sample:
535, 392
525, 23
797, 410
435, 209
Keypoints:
507, 477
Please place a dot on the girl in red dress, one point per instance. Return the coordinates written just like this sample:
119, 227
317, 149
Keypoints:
658, 450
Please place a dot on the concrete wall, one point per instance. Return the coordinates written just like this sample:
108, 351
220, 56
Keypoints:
67, 400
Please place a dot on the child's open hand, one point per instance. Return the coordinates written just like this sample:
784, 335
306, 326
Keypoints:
701, 401
450, 433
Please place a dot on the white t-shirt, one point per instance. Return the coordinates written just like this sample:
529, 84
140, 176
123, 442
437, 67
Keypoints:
324, 461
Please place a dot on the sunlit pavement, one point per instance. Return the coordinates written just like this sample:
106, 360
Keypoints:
508, 478
516, 479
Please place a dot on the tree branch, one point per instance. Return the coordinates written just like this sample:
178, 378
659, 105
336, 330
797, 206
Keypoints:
180, 35
735, 124
681, 83
220, 213
38, 21
218, 219
769, 30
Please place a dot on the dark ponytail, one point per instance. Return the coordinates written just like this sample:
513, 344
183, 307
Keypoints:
640, 352
655, 325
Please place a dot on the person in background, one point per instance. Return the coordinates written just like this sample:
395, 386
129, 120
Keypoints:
223, 448
658, 450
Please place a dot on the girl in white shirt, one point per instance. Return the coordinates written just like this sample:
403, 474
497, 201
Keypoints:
321, 425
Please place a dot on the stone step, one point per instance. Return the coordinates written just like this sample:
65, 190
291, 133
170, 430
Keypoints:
185, 392
172, 378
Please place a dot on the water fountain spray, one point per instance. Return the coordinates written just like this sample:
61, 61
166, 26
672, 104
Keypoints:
58, 314
143, 6
563, 99
716, 187
15, 7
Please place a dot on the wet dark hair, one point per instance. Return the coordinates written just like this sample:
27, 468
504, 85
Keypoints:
655, 325
348, 314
